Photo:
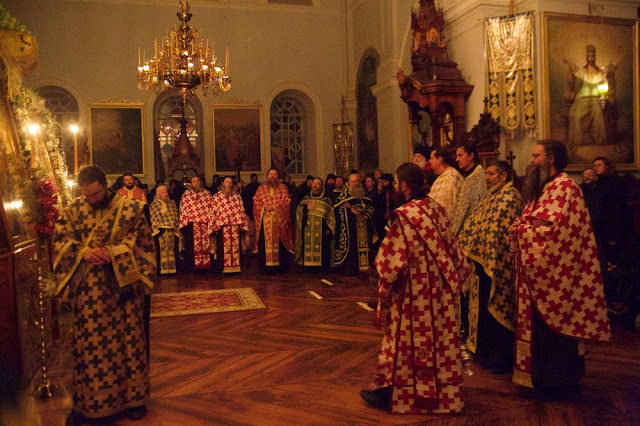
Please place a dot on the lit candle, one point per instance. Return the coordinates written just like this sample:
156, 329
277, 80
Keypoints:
74, 130
226, 62
138, 56
172, 51
33, 130
33, 152
155, 48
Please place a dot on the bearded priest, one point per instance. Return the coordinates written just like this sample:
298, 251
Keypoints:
274, 231
421, 268
492, 298
561, 302
195, 217
315, 224
228, 221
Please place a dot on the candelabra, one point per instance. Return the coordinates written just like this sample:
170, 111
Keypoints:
184, 61
603, 90
74, 129
45, 389
343, 142
465, 354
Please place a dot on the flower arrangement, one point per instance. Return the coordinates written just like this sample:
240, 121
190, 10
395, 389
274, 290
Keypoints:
29, 107
41, 196
46, 213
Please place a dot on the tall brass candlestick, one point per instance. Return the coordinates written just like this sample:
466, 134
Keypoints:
75, 154
74, 130
45, 389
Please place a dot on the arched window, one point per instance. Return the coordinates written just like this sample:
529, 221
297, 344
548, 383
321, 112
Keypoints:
288, 119
367, 110
64, 108
166, 123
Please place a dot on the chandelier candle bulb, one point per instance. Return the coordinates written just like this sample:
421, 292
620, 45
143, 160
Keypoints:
171, 53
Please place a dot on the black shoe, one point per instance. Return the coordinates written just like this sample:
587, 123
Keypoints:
379, 398
137, 413
74, 419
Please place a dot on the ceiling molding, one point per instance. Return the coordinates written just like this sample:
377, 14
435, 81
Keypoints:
256, 5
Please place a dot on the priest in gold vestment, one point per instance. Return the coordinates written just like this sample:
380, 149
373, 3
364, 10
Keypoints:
105, 260
273, 228
164, 226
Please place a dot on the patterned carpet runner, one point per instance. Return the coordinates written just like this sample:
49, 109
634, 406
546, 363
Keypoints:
204, 302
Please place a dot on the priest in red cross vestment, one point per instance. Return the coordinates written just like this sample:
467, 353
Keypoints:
228, 222
560, 295
195, 217
273, 227
421, 268
131, 190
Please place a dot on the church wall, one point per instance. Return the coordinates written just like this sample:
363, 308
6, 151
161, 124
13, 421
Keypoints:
90, 48
382, 25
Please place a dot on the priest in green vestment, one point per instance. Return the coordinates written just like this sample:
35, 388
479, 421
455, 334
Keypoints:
354, 228
315, 225
484, 239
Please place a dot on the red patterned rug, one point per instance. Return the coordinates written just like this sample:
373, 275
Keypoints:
204, 302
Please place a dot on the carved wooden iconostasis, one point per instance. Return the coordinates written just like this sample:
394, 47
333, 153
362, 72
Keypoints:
435, 91
19, 312
32, 167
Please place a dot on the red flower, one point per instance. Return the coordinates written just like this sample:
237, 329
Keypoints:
47, 197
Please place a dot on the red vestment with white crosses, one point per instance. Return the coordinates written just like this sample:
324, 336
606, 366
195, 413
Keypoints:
195, 207
136, 193
421, 269
557, 272
276, 223
228, 216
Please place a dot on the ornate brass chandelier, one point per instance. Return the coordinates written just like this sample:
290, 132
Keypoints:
184, 61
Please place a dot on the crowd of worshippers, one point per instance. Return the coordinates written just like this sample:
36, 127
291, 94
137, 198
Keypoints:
459, 249
320, 223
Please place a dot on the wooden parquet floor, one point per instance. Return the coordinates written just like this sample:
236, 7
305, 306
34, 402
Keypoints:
304, 361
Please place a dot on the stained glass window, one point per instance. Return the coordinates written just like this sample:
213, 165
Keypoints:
287, 135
